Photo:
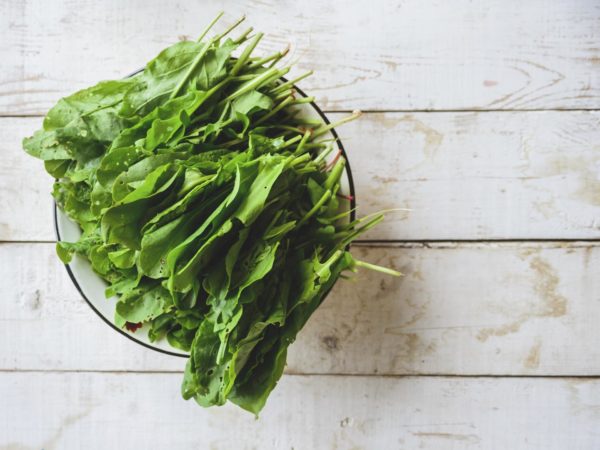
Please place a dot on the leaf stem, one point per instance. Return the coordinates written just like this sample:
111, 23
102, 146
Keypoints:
256, 82
377, 268
324, 129
291, 83
229, 29
245, 54
275, 110
290, 142
302, 144
281, 55
202, 52
242, 37
260, 62
190, 70
335, 174
209, 26
300, 101
326, 196
351, 236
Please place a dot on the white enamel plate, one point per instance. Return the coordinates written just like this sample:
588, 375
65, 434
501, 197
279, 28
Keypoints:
92, 287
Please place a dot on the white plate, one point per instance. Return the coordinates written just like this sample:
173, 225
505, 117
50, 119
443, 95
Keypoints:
92, 287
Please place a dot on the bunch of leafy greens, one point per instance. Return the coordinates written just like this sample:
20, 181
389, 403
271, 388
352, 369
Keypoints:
206, 204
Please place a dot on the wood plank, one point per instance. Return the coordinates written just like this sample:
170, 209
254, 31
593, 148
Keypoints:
531, 309
380, 55
26, 206
493, 175
479, 175
62, 410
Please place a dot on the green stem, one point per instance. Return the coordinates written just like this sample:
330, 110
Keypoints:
317, 145
242, 37
309, 122
342, 215
326, 196
221, 118
191, 69
321, 156
231, 143
275, 110
306, 169
246, 77
350, 237
305, 137
281, 55
335, 174
377, 268
327, 264
299, 160
324, 129
290, 83
210, 25
228, 30
286, 93
300, 101
290, 142
245, 54
255, 83
255, 64
201, 54
378, 213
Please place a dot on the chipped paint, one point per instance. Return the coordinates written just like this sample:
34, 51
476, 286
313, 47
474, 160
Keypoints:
546, 286
67, 422
586, 169
346, 422
330, 343
386, 180
433, 138
533, 357
31, 300
583, 397
551, 304
471, 438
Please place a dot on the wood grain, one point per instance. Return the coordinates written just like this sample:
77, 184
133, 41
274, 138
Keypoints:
384, 363
26, 206
492, 175
470, 309
379, 55
100, 411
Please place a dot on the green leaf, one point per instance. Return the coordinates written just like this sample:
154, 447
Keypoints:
251, 102
144, 303
159, 78
121, 223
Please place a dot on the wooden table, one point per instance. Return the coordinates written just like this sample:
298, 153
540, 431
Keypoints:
480, 117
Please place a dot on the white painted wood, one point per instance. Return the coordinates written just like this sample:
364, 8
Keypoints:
479, 175
510, 309
100, 411
492, 175
462, 309
378, 55
26, 206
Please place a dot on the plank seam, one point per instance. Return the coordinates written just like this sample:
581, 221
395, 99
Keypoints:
388, 111
318, 374
412, 243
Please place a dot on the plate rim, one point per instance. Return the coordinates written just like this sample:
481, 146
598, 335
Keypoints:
186, 355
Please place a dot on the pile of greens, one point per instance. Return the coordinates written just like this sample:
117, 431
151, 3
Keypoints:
206, 203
